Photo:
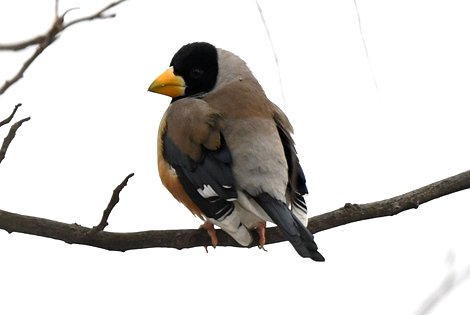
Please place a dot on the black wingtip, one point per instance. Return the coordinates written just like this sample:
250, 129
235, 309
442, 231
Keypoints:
317, 256
307, 247
295, 232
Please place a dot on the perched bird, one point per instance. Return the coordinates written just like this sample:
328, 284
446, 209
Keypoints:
226, 151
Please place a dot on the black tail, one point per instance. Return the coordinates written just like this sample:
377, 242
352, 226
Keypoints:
294, 231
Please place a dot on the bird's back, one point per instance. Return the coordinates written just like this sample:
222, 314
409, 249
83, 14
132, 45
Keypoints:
249, 128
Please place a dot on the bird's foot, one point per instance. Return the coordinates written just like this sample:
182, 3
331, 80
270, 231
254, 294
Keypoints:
261, 229
209, 227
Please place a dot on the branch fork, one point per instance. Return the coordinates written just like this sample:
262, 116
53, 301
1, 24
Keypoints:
45, 40
12, 133
112, 203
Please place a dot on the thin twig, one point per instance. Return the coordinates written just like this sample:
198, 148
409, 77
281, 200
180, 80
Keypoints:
9, 118
47, 39
9, 138
76, 234
112, 203
276, 60
25, 66
98, 15
56, 9
450, 282
364, 43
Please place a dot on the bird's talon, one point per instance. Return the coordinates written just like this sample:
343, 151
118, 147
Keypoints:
261, 229
209, 227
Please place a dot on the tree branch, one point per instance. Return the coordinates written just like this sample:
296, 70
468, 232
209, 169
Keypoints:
10, 136
112, 203
24, 44
9, 118
98, 15
179, 239
44, 41
453, 279
388, 207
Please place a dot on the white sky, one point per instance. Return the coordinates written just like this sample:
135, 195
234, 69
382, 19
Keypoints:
93, 122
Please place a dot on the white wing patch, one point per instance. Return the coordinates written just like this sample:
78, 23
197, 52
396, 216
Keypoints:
207, 191
300, 213
172, 170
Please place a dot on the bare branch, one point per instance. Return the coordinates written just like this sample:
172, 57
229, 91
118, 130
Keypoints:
449, 283
388, 207
56, 9
9, 118
27, 63
44, 41
179, 239
9, 138
24, 44
112, 203
98, 15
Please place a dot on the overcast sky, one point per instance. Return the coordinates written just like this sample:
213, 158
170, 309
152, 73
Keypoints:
366, 130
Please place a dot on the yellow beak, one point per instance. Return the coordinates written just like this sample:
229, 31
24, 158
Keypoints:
168, 84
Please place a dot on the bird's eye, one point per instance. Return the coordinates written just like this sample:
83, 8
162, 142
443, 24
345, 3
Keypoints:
196, 73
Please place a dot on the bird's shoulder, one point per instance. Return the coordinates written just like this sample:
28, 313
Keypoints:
193, 125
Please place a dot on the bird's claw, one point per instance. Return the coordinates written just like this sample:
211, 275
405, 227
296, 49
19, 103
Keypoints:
261, 229
209, 227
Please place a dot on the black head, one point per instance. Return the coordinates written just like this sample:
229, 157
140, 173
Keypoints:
197, 64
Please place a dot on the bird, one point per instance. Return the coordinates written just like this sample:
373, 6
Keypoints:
227, 153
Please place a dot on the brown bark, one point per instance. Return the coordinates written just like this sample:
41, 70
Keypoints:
179, 239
